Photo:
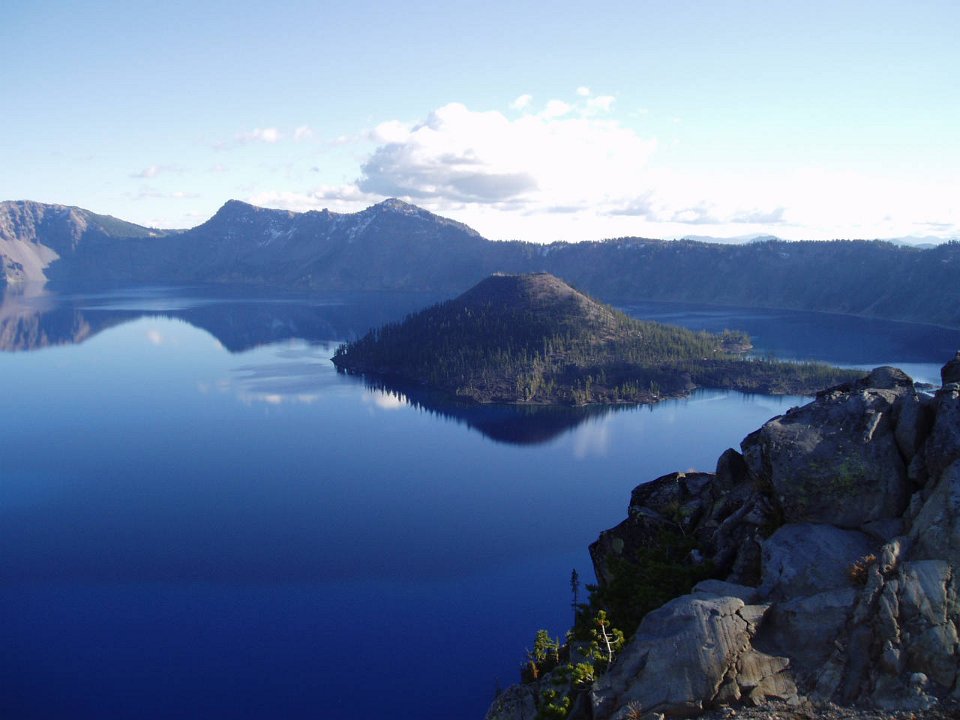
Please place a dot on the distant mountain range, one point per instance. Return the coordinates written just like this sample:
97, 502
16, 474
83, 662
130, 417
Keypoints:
397, 246
927, 241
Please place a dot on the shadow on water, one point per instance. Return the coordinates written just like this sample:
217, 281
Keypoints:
510, 424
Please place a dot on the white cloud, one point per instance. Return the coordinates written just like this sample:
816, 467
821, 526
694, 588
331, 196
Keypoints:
551, 159
304, 132
556, 108
583, 91
392, 131
268, 135
575, 170
522, 102
148, 172
152, 171
602, 103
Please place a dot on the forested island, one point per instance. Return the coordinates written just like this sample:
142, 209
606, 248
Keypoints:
534, 339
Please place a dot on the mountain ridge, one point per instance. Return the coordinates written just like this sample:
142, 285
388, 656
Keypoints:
394, 245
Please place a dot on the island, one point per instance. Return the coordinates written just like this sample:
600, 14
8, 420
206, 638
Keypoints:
534, 339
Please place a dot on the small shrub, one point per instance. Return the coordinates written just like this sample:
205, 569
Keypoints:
860, 569
582, 675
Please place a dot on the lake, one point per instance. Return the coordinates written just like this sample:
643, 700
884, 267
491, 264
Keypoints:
199, 517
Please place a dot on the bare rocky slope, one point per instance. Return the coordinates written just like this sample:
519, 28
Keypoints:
833, 536
34, 236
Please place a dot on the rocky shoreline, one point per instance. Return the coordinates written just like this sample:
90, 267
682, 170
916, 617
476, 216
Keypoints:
830, 542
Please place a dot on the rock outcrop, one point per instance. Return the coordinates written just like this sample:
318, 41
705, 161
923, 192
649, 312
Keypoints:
833, 538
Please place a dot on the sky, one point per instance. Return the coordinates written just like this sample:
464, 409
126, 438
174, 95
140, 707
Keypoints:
526, 120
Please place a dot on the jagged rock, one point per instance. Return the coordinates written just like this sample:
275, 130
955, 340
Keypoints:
677, 497
950, 373
807, 558
936, 527
684, 653
943, 445
673, 502
836, 460
914, 416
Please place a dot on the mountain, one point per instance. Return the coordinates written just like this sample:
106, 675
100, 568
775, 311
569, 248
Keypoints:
389, 246
534, 339
397, 246
735, 240
34, 235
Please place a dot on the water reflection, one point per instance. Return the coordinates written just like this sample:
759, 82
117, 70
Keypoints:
242, 318
32, 317
511, 424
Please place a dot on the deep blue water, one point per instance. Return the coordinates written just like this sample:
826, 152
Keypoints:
200, 518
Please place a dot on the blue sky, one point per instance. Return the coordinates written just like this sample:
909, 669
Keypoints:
538, 121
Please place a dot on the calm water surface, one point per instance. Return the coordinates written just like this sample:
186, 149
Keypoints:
199, 517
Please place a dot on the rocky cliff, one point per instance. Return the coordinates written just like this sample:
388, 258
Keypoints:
34, 236
833, 542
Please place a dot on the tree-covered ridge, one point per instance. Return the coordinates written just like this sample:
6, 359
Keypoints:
534, 339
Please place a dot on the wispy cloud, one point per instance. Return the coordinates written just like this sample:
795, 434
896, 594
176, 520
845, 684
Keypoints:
522, 102
152, 171
268, 135
148, 191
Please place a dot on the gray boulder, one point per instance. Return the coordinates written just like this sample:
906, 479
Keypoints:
807, 558
687, 655
805, 629
836, 460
